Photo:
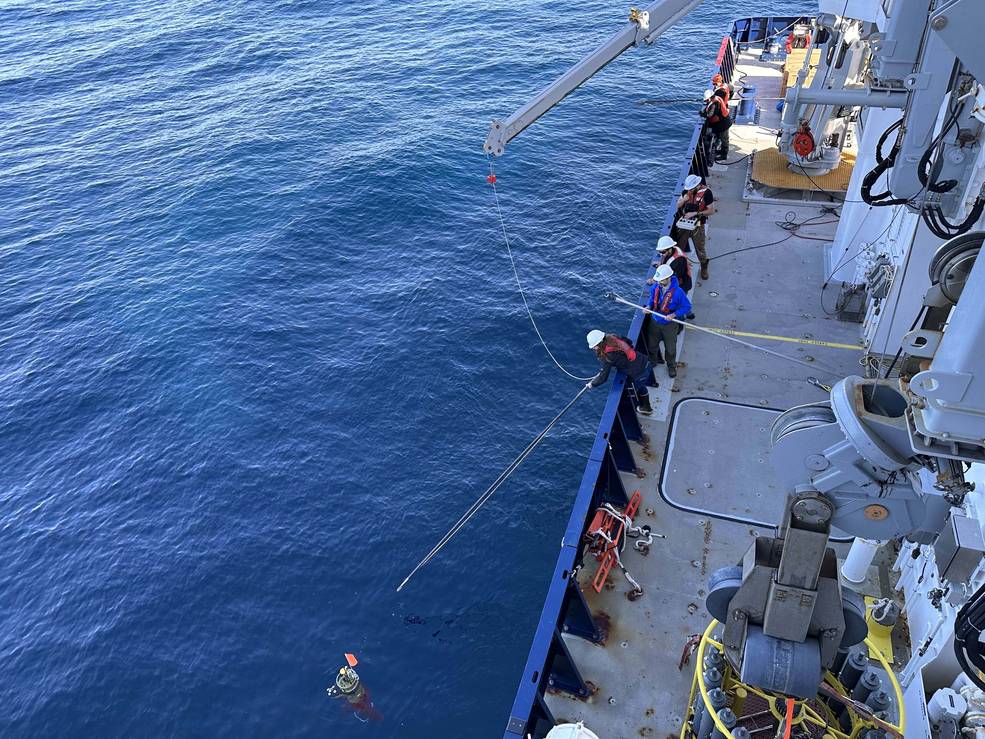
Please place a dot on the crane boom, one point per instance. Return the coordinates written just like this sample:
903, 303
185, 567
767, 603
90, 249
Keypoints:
643, 28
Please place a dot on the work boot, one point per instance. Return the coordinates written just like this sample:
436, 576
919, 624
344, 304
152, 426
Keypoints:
643, 405
672, 369
704, 269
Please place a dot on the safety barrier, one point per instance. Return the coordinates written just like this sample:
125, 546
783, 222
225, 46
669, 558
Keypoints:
728, 58
762, 29
549, 662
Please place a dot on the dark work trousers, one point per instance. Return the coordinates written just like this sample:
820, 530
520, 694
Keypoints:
721, 139
643, 379
666, 332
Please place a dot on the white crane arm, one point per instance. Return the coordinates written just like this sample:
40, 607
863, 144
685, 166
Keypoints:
643, 28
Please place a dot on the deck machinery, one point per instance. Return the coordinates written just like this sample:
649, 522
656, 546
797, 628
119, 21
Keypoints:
889, 460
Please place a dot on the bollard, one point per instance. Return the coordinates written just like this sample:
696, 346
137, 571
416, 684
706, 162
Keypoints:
854, 667
747, 105
728, 718
867, 684
718, 700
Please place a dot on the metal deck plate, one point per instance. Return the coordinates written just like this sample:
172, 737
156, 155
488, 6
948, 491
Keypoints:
708, 436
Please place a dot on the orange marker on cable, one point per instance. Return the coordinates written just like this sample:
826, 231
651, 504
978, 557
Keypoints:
789, 726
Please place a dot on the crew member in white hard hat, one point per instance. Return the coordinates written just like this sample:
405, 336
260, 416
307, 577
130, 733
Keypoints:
696, 201
718, 120
617, 351
669, 253
667, 301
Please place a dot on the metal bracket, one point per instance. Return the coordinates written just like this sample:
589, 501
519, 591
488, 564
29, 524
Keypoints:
577, 616
564, 674
921, 343
609, 487
941, 387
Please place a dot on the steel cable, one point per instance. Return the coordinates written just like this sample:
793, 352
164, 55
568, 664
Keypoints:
490, 491
516, 274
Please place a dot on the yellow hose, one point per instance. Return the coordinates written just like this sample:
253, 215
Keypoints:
706, 640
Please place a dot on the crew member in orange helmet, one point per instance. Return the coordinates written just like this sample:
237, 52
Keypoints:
718, 83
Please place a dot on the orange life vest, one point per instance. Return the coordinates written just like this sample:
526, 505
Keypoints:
615, 344
676, 253
797, 42
664, 307
696, 197
728, 93
721, 112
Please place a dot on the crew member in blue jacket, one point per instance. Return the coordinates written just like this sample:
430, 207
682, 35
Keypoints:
666, 299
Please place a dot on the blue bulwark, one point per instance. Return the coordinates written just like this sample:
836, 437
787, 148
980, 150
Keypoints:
549, 664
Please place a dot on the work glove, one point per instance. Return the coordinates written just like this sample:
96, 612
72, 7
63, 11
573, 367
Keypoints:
589, 385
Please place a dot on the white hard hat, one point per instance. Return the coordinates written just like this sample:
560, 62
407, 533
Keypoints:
595, 338
665, 242
709, 94
664, 272
691, 181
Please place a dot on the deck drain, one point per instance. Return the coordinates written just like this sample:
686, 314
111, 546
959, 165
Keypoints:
712, 293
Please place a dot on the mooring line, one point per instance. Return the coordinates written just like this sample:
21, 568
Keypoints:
491, 179
727, 337
481, 500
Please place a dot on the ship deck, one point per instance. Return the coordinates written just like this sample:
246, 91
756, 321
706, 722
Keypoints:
707, 482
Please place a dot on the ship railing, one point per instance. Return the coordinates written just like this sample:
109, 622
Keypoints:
761, 30
550, 665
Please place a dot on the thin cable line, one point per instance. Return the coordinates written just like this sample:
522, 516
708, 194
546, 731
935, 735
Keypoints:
516, 274
490, 491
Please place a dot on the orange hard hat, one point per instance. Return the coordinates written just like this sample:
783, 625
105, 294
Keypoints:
717, 79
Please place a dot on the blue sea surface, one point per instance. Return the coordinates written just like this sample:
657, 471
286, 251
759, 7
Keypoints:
261, 345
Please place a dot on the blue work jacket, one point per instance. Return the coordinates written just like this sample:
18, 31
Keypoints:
677, 304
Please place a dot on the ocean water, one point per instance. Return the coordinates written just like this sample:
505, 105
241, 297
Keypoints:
260, 345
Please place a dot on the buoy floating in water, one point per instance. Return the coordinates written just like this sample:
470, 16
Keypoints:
349, 686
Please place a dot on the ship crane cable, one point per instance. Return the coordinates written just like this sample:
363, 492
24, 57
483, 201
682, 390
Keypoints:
490, 491
491, 179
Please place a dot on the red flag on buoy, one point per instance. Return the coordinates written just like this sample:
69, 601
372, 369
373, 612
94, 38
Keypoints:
351, 659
